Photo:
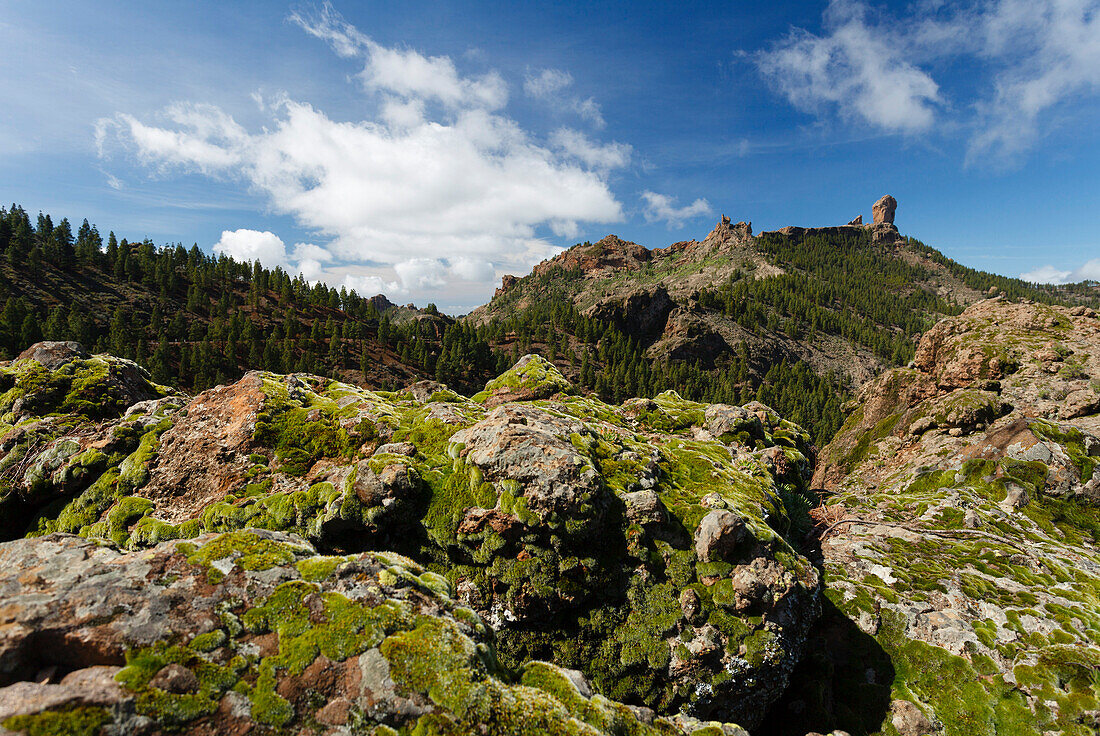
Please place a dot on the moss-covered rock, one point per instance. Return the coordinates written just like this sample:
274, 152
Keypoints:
280, 640
533, 377
962, 559
525, 509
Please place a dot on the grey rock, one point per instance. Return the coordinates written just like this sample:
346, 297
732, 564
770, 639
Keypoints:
644, 507
718, 534
53, 355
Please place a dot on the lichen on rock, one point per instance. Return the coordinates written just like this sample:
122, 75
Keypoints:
566, 524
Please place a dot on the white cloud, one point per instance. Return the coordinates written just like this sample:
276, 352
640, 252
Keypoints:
546, 83
549, 85
595, 155
268, 248
253, 245
661, 207
472, 269
855, 69
404, 72
1023, 60
1051, 52
1090, 270
328, 25
439, 186
414, 76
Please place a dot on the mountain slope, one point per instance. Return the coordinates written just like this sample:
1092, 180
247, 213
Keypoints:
739, 310
961, 534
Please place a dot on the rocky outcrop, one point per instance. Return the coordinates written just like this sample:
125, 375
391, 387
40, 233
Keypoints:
689, 337
254, 632
857, 221
611, 253
728, 232
883, 210
998, 360
641, 312
506, 282
571, 528
960, 532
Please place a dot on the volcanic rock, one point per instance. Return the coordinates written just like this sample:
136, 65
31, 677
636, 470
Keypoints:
541, 504
883, 210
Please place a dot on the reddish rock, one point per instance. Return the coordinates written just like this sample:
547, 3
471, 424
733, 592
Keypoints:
884, 209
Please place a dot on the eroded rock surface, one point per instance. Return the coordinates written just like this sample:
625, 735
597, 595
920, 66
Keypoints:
964, 530
568, 526
254, 632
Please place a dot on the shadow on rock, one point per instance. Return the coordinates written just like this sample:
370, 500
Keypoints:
843, 682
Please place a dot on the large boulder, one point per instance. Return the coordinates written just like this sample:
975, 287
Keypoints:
532, 377
53, 355
883, 210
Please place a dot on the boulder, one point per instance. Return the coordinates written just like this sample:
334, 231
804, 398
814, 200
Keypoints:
883, 210
718, 534
53, 355
644, 507
532, 448
1080, 403
532, 377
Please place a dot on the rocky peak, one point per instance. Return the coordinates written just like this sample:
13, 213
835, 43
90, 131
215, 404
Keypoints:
381, 303
610, 253
506, 282
884, 209
727, 232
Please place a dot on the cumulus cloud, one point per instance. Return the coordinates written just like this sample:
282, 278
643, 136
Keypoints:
855, 70
1025, 59
1088, 271
268, 248
252, 245
438, 187
550, 85
598, 156
661, 207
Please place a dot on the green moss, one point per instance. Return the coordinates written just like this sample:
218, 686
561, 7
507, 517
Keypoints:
436, 659
300, 435
247, 550
316, 569
174, 709
82, 721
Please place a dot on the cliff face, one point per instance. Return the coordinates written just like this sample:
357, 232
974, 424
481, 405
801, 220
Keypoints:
962, 533
292, 552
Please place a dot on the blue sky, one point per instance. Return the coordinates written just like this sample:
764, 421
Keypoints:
424, 149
